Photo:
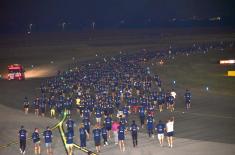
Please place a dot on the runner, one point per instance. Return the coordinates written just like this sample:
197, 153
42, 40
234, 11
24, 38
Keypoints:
142, 116
104, 135
52, 111
69, 141
36, 106
47, 134
97, 138
98, 115
134, 129
36, 141
70, 125
87, 124
187, 97
172, 103
150, 127
83, 135
115, 127
22, 137
160, 128
42, 106
26, 105
170, 131
121, 137
108, 124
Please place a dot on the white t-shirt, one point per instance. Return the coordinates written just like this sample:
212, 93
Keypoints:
173, 94
170, 126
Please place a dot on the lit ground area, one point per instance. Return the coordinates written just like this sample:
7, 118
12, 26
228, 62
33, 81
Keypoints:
208, 128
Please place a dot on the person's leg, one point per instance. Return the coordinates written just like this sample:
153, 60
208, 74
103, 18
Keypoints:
133, 139
171, 141
35, 149
50, 150
159, 138
99, 148
168, 141
71, 150
142, 121
123, 146
84, 142
116, 137
47, 149
149, 132
120, 145
106, 140
24, 146
136, 139
21, 146
39, 149
27, 110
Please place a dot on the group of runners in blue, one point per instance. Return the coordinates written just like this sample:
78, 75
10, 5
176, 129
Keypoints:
112, 95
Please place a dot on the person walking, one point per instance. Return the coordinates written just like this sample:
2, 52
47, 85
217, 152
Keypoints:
47, 134
36, 141
187, 97
134, 129
150, 127
121, 136
160, 128
170, 131
26, 105
104, 134
83, 135
69, 141
115, 127
22, 137
97, 138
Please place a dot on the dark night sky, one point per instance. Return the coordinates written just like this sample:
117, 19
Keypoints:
16, 14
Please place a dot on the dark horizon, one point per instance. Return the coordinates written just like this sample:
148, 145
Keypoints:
16, 16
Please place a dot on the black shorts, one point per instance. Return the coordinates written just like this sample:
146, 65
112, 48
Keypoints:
108, 128
170, 134
26, 106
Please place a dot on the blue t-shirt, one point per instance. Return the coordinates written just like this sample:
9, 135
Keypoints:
98, 113
104, 131
35, 137
70, 124
22, 134
121, 131
150, 122
142, 111
160, 128
134, 128
82, 132
108, 122
86, 123
187, 96
97, 134
47, 136
125, 111
69, 138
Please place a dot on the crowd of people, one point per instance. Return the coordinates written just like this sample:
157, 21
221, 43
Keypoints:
109, 97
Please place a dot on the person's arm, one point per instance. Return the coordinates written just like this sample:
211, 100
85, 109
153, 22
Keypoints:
88, 136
